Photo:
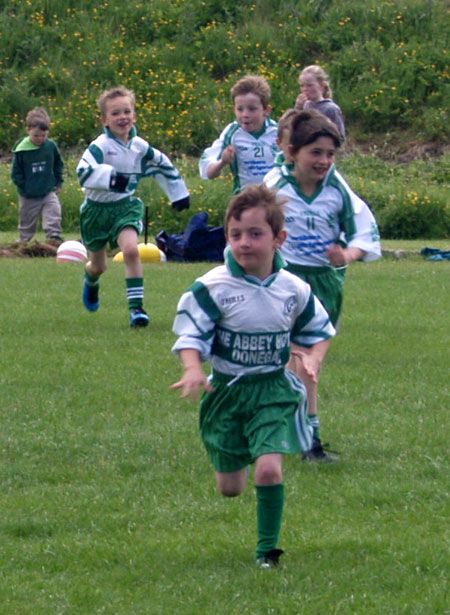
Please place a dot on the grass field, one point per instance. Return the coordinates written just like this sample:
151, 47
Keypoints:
411, 246
108, 500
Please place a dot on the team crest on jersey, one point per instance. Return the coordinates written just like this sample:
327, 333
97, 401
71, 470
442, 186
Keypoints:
290, 305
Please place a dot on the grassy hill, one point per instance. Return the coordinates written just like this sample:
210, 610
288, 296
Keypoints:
182, 56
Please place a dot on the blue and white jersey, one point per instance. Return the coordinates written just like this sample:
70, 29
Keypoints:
315, 222
107, 156
255, 153
243, 325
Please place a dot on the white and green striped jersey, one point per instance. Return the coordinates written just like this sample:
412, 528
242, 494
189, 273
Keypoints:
275, 172
106, 156
243, 325
334, 212
254, 157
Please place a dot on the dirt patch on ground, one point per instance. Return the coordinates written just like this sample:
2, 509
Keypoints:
422, 150
5, 157
398, 148
29, 250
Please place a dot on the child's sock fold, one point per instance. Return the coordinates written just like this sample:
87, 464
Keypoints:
135, 292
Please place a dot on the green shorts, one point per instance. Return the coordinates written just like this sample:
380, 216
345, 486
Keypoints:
253, 415
102, 222
326, 283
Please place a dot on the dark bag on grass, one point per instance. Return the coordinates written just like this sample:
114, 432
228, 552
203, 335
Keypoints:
199, 242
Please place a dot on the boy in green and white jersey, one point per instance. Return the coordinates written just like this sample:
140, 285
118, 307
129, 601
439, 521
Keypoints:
242, 318
109, 172
248, 145
283, 135
328, 226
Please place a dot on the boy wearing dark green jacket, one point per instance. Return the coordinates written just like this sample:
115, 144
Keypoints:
37, 171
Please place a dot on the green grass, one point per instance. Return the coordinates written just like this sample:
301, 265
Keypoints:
415, 245
108, 500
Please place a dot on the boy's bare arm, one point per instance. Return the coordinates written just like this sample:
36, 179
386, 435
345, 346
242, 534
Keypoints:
227, 157
340, 256
194, 378
311, 358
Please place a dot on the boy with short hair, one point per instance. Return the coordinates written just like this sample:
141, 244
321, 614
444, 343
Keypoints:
242, 317
37, 171
109, 172
328, 227
283, 134
248, 144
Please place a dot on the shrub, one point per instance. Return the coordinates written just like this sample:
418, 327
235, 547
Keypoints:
415, 215
409, 200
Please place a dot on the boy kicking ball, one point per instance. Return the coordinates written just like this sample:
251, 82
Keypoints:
109, 172
242, 317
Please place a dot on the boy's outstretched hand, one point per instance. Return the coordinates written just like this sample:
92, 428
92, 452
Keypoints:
310, 363
192, 382
340, 256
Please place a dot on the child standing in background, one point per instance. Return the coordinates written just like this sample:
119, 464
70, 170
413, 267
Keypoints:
109, 172
37, 171
242, 317
247, 145
316, 94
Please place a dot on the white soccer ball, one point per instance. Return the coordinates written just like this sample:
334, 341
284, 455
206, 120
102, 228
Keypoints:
71, 252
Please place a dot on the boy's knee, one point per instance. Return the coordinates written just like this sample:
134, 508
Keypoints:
268, 470
230, 491
96, 269
231, 484
269, 476
130, 253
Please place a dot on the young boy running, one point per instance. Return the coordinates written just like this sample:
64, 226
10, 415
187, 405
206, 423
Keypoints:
247, 145
242, 317
109, 172
328, 226
283, 136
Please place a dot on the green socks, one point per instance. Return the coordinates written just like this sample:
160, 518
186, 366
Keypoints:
269, 511
91, 280
135, 292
